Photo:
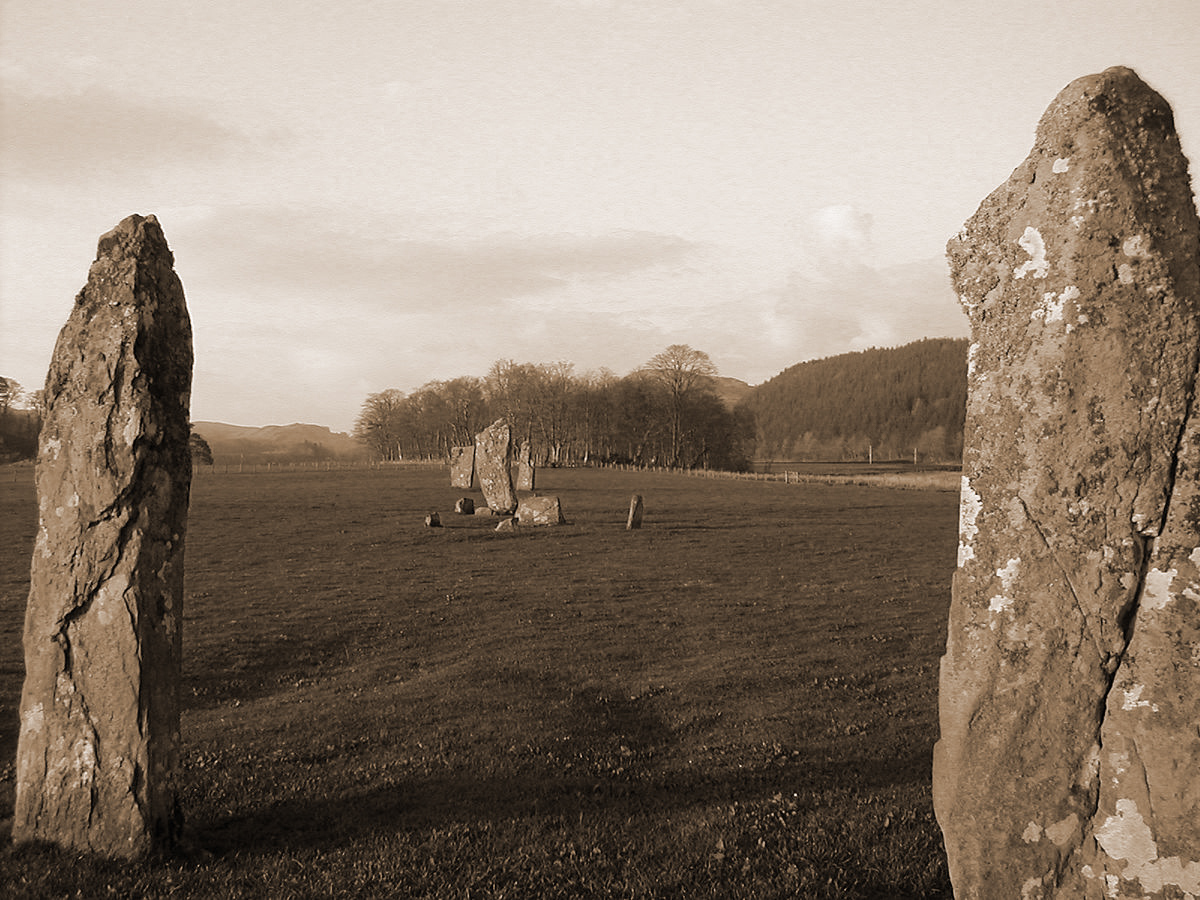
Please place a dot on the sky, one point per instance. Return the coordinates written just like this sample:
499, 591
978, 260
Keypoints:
373, 195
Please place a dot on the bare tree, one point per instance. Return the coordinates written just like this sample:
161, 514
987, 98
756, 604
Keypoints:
379, 425
683, 373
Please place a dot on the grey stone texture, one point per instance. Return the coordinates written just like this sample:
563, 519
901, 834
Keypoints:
1070, 688
526, 473
540, 511
98, 751
493, 467
634, 521
462, 467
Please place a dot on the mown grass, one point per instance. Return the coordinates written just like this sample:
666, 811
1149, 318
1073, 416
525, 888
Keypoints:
738, 700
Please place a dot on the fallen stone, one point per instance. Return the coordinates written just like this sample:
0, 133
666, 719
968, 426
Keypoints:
462, 467
98, 752
484, 511
635, 513
433, 520
465, 506
540, 511
493, 466
509, 524
1070, 689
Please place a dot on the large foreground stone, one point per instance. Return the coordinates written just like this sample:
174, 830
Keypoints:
99, 743
1070, 689
493, 467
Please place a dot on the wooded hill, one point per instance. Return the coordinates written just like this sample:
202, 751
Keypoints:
880, 402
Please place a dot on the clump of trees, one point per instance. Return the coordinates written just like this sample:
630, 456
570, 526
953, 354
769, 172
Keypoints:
666, 413
20, 421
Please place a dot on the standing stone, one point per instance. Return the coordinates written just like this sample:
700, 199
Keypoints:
1070, 689
634, 521
493, 466
433, 520
540, 511
465, 506
98, 752
526, 474
462, 467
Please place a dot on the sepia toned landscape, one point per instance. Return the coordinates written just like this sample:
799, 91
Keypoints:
736, 700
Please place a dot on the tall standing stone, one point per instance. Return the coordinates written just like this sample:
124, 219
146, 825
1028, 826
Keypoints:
1070, 689
462, 467
98, 750
493, 467
526, 473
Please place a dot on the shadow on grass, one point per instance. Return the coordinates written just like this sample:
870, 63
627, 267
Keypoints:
443, 801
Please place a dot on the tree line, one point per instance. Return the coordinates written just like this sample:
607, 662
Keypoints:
20, 420
664, 413
878, 403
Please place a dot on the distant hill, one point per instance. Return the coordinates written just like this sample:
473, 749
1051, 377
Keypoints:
730, 390
276, 443
886, 402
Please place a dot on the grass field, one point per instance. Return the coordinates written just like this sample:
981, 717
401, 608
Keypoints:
738, 700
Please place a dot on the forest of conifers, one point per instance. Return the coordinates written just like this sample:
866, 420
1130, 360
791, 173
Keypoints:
884, 404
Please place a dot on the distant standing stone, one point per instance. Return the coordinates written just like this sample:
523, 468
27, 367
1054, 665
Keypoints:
462, 467
98, 753
540, 511
526, 474
493, 466
635, 513
433, 520
1070, 690
465, 506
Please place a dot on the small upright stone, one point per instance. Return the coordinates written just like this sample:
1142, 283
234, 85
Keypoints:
98, 752
465, 506
634, 521
493, 466
462, 467
1070, 687
526, 474
433, 520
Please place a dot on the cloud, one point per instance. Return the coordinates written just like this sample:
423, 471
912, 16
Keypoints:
95, 133
323, 259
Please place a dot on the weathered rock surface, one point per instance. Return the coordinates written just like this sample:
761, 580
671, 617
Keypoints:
483, 511
465, 506
1070, 689
462, 467
634, 521
526, 473
98, 752
433, 520
509, 524
540, 511
493, 467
